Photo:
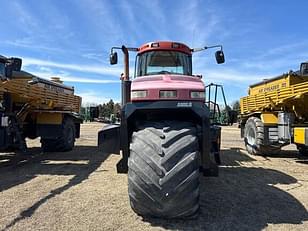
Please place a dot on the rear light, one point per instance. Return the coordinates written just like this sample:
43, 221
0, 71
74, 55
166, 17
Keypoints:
167, 94
197, 94
138, 94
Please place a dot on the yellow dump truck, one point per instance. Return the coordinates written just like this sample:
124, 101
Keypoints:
34, 107
275, 113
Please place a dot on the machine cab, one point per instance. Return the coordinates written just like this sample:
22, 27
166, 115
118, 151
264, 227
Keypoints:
163, 71
304, 69
8, 65
2, 67
163, 58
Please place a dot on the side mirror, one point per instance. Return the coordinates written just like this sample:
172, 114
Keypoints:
304, 69
113, 58
220, 57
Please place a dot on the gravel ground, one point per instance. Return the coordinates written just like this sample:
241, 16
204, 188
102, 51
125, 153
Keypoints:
80, 190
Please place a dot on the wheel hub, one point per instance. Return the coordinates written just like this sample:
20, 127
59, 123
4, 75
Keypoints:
251, 136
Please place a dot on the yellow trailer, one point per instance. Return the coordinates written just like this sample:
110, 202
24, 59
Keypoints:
275, 113
34, 107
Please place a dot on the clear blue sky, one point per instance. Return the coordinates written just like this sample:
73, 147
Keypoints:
72, 39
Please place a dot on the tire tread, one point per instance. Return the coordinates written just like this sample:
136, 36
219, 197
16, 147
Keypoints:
173, 182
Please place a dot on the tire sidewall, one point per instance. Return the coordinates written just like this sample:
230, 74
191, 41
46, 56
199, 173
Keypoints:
250, 126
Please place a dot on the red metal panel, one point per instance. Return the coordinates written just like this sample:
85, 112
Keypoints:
182, 84
165, 45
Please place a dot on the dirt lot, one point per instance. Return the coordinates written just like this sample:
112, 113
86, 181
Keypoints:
80, 190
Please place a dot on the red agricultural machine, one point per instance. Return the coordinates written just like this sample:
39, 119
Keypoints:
165, 134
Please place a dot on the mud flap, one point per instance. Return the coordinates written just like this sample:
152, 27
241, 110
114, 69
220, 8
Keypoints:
109, 139
209, 166
216, 141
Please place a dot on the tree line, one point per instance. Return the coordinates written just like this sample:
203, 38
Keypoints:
102, 111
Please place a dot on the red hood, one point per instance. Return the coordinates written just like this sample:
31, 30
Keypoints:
182, 84
169, 82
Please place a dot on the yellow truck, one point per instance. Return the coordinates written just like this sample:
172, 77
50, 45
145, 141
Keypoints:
34, 107
275, 113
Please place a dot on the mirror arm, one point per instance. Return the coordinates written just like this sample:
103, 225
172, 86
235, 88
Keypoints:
120, 48
205, 48
220, 46
115, 48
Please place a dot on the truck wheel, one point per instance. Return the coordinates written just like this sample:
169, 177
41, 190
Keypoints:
302, 149
163, 174
63, 143
254, 138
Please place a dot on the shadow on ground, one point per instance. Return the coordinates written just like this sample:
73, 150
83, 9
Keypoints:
13, 159
303, 161
241, 198
24, 167
285, 154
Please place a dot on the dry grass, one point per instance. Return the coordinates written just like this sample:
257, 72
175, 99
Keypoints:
80, 190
